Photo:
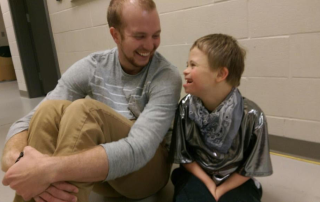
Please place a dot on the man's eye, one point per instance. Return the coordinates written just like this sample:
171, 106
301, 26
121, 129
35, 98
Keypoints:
139, 37
156, 36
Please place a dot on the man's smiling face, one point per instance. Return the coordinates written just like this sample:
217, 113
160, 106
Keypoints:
140, 37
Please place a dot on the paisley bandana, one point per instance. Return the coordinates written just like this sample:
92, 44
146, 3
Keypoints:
219, 127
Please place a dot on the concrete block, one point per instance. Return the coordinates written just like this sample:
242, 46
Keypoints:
270, 94
17, 63
62, 62
186, 26
7, 19
20, 76
101, 38
57, 6
4, 6
305, 55
303, 97
22, 86
165, 6
11, 35
14, 48
78, 40
276, 126
60, 41
177, 55
173, 29
73, 19
273, 17
79, 18
267, 57
60, 22
98, 11
303, 130
243, 86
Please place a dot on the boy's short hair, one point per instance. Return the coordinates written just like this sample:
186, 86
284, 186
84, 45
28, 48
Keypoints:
114, 14
223, 51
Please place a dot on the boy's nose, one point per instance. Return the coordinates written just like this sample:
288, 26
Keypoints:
186, 71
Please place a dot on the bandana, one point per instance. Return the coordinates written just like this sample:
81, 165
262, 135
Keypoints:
219, 127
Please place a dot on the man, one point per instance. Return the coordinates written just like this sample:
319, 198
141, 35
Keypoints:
117, 139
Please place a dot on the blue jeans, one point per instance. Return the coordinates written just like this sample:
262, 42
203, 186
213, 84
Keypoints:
189, 188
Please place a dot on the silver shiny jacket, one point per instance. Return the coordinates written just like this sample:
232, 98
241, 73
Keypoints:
248, 154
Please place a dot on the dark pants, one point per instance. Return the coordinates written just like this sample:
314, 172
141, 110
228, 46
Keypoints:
189, 188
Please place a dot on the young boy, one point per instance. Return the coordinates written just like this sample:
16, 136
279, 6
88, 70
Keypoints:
220, 138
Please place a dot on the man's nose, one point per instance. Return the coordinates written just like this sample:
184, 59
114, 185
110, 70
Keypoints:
148, 44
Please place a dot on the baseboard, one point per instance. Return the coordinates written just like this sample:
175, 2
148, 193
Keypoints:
24, 93
299, 148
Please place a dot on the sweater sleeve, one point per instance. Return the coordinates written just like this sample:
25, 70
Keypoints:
149, 129
74, 84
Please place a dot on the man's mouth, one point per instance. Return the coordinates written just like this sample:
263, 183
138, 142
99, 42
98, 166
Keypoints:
144, 54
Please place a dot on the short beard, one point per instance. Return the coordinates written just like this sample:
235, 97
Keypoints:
131, 60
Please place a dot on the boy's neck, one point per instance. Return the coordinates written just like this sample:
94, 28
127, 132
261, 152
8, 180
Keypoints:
212, 99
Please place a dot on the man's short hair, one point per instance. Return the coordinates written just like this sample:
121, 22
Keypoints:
114, 15
223, 51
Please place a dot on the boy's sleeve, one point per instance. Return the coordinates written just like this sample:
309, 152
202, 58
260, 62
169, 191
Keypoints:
257, 160
178, 148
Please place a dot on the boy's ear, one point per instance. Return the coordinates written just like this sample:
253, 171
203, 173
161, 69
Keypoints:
115, 35
222, 74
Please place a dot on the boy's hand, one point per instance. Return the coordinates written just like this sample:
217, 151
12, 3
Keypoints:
218, 194
213, 190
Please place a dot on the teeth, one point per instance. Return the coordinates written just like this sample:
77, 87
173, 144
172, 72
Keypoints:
144, 54
189, 81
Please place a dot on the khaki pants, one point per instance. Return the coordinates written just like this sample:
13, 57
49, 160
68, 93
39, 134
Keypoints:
62, 127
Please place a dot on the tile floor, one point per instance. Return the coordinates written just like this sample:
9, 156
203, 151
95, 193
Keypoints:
292, 181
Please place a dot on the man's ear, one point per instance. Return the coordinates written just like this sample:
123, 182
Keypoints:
115, 35
222, 74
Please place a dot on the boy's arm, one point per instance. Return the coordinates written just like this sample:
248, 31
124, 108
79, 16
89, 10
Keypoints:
232, 182
12, 149
197, 171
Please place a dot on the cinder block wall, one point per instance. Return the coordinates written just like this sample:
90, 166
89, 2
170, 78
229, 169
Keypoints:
282, 39
13, 44
3, 39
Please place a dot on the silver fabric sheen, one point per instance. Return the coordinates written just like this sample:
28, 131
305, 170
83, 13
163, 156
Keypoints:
248, 154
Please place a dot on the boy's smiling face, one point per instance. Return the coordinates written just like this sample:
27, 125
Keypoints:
200, 78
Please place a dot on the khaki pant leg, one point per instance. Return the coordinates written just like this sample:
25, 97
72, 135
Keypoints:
44, 128
148, 180
85, 124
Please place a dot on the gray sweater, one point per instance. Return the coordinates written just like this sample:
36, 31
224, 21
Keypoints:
150, 97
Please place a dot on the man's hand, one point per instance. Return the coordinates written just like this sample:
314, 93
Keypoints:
29, 177
58, 192
12, 150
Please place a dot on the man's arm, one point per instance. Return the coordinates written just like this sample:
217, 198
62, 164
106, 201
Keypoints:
234, 181
12, 149
197, 171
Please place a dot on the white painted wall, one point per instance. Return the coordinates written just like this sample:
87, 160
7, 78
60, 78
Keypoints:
282, 39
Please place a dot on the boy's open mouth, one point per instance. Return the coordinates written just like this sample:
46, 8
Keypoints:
189, 80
